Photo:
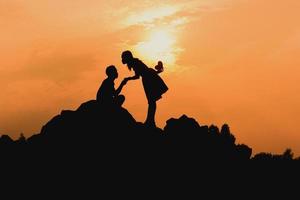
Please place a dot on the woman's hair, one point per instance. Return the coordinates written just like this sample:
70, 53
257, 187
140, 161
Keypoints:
126, 57
127, 54
159, 67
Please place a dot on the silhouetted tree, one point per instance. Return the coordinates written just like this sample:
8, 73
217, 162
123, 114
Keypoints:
214, 130
288, 154
243, 152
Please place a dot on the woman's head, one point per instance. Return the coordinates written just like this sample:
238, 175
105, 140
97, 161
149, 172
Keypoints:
126, 57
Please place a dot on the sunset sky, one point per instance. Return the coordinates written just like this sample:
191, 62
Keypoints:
226, 61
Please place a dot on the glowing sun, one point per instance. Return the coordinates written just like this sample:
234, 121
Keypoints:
160, 45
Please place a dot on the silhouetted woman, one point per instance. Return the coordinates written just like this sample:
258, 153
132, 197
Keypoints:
154, 86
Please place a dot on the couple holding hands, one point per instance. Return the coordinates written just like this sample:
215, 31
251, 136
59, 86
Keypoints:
154, 86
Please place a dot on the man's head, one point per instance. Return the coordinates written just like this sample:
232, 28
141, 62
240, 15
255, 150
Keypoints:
111, 72
126, 57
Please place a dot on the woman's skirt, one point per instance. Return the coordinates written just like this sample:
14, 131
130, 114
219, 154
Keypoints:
153, 84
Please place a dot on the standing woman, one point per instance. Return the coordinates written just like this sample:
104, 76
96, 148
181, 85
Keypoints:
154, 86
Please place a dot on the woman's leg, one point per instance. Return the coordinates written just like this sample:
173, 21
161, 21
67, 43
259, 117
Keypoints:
151, 113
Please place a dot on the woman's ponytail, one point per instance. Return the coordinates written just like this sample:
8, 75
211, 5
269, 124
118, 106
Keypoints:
159, 67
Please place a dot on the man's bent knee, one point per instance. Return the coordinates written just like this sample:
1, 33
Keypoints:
120, 100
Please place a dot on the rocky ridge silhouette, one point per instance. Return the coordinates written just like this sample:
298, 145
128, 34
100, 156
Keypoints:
112, 133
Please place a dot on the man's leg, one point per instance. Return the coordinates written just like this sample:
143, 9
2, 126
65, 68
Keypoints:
119, 100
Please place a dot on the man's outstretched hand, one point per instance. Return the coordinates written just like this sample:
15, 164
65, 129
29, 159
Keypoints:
124, 81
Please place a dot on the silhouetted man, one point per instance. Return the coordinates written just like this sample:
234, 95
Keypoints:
107, 95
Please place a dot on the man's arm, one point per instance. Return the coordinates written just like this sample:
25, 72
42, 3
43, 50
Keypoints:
120, 87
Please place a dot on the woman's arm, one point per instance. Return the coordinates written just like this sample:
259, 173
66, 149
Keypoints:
135, 77
124, 83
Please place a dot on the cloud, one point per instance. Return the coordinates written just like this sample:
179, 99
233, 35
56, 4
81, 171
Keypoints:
158, 11
150, 15
166, 20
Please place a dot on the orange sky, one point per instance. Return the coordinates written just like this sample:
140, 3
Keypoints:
227, 61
